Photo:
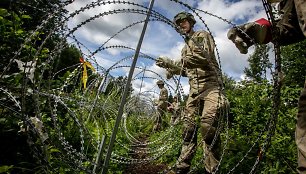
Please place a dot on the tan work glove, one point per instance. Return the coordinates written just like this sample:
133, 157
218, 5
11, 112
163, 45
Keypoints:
169, 75
163, 62
259, 31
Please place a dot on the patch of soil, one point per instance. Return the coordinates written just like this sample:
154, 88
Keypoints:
149, 168
143, 168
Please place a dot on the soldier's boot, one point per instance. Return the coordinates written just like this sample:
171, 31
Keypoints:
182, 168
171, 172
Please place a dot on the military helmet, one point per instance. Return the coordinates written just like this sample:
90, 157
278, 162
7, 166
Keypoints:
184, 15
160, 82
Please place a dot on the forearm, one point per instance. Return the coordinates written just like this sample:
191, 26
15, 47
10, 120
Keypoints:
289, 33
289, 28
175, 67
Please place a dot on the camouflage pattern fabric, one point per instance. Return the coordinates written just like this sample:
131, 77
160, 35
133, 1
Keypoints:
198, 63
161, 108
163, 97
292, 28
300, 132
210, 105
292, 25
175, 110
205, 99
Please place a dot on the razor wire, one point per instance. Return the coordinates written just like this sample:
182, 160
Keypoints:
58, 99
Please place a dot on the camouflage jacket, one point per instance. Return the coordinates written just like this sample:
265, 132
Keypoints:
163, 97
300, 6
198, 63
292, 24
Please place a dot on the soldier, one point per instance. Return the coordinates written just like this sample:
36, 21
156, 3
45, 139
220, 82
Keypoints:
174, 108
205, 99
161, 105
290, 28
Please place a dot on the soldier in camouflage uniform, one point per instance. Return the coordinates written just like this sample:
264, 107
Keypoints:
205, 99
291, 28
174, 108
162, 105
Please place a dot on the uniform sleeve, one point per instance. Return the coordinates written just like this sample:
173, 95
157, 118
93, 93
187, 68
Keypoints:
292, 26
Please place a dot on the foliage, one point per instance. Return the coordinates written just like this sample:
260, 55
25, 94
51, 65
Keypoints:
172, 144
259, 63
5, 169
294, 63
26, 152
251, 108
67, 60
119, 83
12, 35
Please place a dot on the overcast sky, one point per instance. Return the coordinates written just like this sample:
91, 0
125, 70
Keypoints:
123, 29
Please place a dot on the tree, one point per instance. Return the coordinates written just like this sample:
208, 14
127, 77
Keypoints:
229, 82
294, 64
68, 57
18, 20
250, 111
118, 84
259, 62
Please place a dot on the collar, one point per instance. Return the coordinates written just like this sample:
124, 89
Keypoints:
189, 35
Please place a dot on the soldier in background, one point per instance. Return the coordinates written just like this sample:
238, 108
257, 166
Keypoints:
206, 100
161, 105
174, 109
290, 28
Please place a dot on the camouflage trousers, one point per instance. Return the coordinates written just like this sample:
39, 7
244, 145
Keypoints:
210, 106
159, 119
292, 28
175, 117
300, 132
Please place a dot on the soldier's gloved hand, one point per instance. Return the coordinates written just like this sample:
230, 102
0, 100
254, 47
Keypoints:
245, 35
159, 105
162, 62
169, 75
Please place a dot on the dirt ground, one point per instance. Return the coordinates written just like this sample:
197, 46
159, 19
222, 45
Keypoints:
144, 168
